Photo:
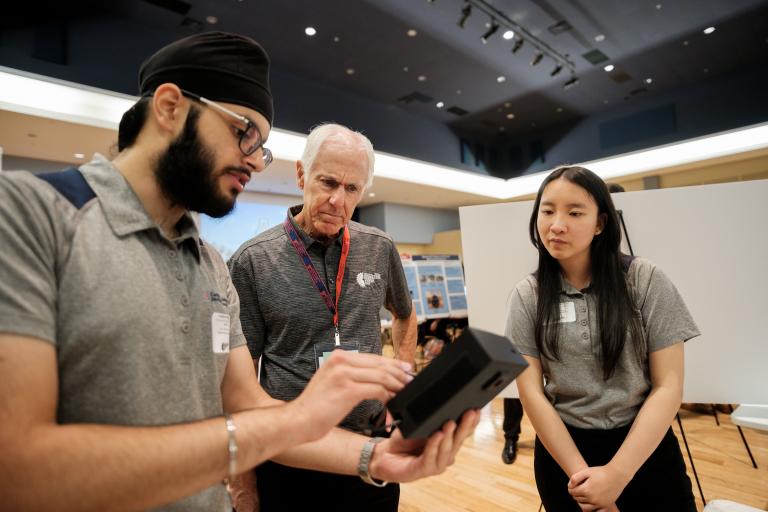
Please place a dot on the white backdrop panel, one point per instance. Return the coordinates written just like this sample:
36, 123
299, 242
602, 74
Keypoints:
712, 241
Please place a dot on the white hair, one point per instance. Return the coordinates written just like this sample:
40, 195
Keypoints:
322, 133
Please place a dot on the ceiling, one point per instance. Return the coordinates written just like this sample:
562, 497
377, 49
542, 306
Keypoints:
363, 51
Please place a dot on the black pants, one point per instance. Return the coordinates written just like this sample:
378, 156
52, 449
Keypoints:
661, 484
282, 488
513, 416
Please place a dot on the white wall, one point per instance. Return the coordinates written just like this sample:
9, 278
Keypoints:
712, 241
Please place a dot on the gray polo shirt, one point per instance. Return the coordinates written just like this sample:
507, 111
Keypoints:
129, 311
575, 385
284, 318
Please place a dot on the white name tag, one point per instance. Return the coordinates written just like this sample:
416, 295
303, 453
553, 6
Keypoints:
220, 333
567, 312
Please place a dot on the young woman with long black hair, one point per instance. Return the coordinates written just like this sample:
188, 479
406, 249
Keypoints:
603, 335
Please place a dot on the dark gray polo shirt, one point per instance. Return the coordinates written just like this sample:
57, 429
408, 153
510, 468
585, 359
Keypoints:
574, 385
284, 317
130, 312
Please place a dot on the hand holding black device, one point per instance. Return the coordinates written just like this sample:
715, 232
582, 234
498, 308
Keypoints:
468, 374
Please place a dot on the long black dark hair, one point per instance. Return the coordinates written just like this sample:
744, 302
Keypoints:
616, 312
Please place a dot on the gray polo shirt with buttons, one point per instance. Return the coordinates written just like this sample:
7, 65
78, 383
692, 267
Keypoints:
130, 312
575, 385
287, 323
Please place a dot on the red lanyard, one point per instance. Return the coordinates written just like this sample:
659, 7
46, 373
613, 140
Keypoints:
315, 277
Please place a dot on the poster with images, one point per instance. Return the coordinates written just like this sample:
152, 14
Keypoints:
436, 283
409, 267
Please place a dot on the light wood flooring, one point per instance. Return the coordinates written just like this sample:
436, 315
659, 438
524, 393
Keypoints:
481, 482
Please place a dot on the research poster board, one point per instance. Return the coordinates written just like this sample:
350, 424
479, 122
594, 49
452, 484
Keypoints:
710, 240
436, 283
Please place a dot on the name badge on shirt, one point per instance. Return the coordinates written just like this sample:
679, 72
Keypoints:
567, 312
220, 333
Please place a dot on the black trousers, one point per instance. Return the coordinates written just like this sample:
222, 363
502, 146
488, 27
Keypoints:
282, 488
661, 484
513, 416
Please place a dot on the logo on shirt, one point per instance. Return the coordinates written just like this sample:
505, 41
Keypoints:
365, 279
216, 297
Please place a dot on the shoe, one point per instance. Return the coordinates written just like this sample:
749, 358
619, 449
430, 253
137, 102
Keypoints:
509, 453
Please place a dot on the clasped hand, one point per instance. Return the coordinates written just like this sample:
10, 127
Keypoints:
597, 488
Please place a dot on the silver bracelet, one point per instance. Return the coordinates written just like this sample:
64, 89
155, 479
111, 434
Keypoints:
363, 466
231, 447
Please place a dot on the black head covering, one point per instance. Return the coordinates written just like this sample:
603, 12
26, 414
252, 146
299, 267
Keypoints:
216, 65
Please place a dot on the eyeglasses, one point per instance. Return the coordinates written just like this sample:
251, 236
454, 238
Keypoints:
250, 137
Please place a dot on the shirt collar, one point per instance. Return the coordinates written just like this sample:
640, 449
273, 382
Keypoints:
568, 289
122, 208
306, 239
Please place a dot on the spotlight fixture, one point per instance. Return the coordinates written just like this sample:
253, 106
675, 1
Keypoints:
466, 12
709, 30
571, 83
609, 68
494, 26
518, 35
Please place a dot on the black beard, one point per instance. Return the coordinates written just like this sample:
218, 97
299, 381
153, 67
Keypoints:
186, 174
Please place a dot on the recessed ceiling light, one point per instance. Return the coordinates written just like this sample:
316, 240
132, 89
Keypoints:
336, 39
501, 79
421, 78
405, 68
412, 33
508, 35
458, 91
79, 155
649, 80
350, 71
310, 31
685, 43
510, 116
600, 38
609, 68
212, 20
439, 104
709, 30
371, 194
658, 7
559, 109
507, 104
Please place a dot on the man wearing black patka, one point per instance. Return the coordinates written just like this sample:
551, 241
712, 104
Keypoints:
126, 382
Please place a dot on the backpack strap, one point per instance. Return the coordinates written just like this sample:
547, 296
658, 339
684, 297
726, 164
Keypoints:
71, 184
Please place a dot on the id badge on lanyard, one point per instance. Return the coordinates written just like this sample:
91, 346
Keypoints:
324, 349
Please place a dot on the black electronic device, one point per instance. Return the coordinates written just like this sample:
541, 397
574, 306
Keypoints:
468, 374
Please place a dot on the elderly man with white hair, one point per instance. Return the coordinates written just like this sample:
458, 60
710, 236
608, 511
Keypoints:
315, 284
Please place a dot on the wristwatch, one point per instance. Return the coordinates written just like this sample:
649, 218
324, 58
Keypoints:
363, 466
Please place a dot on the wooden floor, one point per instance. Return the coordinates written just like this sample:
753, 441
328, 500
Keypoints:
481, 482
